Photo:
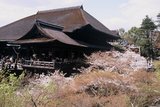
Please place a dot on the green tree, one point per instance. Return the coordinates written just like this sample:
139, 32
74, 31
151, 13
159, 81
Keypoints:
133, 35
158, 20
148, 25
146, 47
141, 36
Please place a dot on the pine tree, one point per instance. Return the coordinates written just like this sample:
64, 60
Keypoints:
148, 25
158, 20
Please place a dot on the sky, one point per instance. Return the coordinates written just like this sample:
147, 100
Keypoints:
114, 14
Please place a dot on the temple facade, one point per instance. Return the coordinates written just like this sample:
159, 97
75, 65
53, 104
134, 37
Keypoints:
50, 38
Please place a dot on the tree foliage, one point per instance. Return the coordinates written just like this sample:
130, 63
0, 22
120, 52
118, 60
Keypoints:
140, 36
158, 20
147, 46
148, 24
133, 35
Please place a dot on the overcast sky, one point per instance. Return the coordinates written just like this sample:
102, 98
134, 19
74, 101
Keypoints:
114, 14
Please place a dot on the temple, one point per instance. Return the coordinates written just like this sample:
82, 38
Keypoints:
48, 39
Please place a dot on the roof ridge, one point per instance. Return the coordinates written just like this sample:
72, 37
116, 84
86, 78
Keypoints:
84, 16
60, 9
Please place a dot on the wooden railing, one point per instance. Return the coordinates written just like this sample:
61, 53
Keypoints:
38, 64
25, 64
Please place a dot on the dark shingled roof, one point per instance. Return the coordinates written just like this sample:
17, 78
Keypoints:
50, 34
16, 29
70, 19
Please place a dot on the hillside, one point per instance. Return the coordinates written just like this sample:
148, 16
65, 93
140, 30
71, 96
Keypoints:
113, 79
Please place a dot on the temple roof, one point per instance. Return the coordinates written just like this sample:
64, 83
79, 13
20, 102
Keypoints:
69, 19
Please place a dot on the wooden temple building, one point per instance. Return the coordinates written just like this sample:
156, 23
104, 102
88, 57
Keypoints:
54, 36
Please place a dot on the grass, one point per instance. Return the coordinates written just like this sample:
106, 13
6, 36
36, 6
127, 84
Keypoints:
157, 65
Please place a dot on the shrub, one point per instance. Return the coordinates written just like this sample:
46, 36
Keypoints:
8, 85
